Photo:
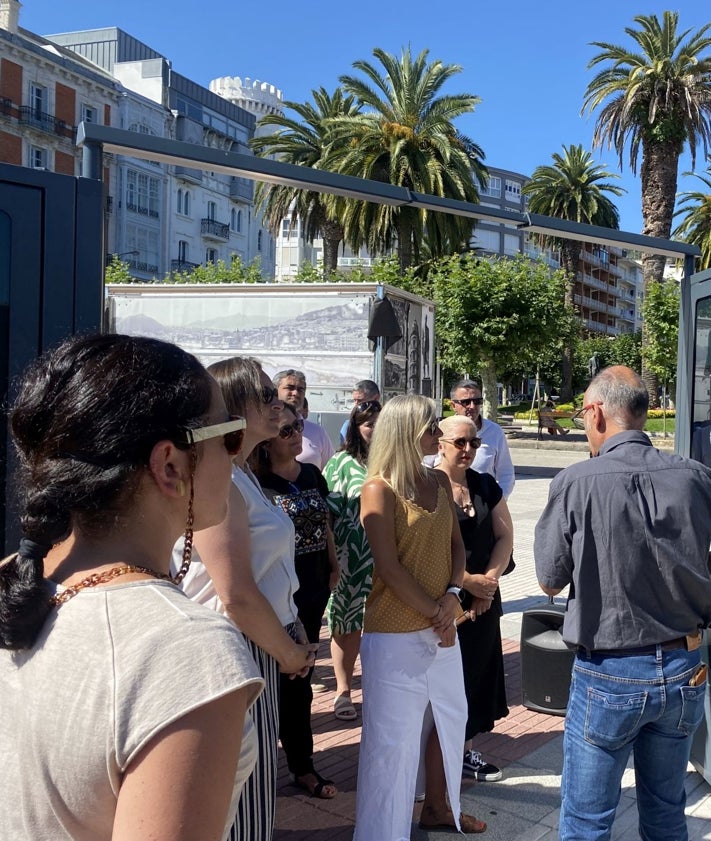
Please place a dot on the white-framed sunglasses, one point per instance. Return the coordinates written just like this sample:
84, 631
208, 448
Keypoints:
232, 432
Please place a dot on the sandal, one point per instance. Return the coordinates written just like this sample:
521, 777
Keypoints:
343, 708
317, 789
469, 824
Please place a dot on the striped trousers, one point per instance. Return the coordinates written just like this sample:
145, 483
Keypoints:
254, 820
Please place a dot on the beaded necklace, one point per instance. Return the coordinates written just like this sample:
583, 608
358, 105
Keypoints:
102, 578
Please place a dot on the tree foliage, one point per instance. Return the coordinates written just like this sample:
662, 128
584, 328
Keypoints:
305, 140
661, 313
234, 272
695, 226
118, 271
499, 314
406, 136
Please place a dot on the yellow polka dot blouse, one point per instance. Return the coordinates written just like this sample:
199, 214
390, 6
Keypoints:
424, 548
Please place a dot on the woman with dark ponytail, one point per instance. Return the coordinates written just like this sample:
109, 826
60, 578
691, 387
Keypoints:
123, 443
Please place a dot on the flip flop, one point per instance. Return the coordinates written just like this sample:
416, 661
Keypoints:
343, 708
470, 825
316, 790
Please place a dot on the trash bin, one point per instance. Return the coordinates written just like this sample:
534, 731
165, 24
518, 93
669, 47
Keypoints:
546, 661
701, 746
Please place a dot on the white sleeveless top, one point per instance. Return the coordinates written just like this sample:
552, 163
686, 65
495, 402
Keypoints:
271, 535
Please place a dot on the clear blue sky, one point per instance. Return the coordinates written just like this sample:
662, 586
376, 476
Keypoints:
525, 60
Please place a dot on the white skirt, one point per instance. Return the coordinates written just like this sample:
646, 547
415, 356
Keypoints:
403, 676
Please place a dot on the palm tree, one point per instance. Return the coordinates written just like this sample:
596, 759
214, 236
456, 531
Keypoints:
573, 188
304, 141
407, 138
657, 97
695, 228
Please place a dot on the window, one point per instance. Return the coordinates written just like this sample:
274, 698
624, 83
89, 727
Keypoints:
88, 114
513, 190
259, 240
38, 100
142, 193
211, 210
239, 222
492, 188
233, 220
512, 244
145, 242
211, 256
487, 240
182, 251
180, 201
38, 158
186, 204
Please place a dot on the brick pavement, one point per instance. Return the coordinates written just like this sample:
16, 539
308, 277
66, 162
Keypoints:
300, 817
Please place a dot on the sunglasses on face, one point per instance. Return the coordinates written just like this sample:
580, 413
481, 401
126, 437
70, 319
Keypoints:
461, 443
232, 432
288, 431
373, 405
269, 394
469, 401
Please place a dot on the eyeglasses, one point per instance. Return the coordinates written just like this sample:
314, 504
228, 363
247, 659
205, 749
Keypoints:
288, 431
269, 394
590, 406
469, 401
373, 405
461, 443
232, 432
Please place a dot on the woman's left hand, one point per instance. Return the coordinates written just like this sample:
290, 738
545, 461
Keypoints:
447, 637
449, 609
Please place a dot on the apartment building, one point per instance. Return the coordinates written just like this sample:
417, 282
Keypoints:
608, 289
158, 218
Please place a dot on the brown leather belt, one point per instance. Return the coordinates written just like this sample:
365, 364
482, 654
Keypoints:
671, 645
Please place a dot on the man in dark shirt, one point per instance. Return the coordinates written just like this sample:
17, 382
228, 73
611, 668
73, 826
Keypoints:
630, 533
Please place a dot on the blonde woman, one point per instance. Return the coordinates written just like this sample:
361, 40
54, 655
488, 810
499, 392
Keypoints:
409, 652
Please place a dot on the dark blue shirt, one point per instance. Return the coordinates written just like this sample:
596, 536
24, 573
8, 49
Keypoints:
630, 532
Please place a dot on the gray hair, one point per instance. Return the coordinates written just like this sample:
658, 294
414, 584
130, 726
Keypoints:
463, 384
290, 372
624, 395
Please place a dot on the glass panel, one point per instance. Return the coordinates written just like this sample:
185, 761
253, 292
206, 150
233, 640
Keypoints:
701, 396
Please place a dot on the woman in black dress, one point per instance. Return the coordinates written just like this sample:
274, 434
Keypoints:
301, 491
487, 533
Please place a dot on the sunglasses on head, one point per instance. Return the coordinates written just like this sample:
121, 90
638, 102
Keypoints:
288, 431
269, 394
461, 443
373, 405
232, 432
469, 401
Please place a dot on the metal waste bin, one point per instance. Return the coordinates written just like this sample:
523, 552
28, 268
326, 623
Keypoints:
546, 661
701, 746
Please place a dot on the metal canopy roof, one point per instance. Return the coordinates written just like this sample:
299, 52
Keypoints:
95, 138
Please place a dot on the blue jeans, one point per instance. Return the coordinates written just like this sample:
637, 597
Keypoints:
618, 704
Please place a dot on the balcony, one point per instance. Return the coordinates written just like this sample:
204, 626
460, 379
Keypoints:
357, 262
241, 188
213, 230
5, 106
194, 176
182, 266
44, 122
109, 206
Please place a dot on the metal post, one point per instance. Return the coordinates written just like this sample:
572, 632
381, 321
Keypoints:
91, 163
685, 361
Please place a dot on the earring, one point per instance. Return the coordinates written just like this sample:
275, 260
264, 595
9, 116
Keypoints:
188, 536
181, 487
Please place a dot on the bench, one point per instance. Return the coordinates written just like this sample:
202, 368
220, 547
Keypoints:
548, 419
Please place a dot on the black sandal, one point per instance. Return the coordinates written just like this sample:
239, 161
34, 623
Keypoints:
317, 790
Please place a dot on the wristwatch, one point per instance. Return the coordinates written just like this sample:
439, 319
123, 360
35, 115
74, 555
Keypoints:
455, 590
